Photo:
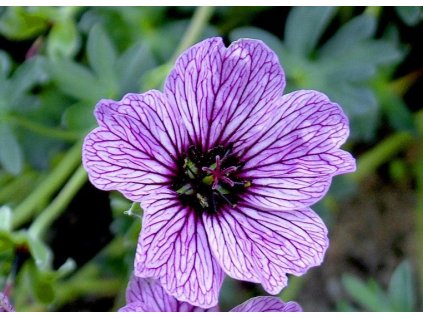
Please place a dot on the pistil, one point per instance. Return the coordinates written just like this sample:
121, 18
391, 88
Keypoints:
218, 174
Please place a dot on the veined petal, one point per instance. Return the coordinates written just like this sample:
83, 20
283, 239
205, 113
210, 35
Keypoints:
263, 246
158, 122
267, 304
292, 161
173, 248
147, 295
224, 93
135, 147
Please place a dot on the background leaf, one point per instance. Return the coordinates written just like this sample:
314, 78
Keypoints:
401, 288
305, 26
11, 157
63, 40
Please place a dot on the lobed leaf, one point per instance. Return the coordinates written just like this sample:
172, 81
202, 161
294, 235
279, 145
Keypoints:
305, 26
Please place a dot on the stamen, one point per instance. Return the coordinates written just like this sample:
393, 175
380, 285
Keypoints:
225, 198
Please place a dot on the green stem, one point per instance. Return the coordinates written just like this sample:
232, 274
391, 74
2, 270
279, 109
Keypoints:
46, 218
384, 151
23, 212
403, 84
43, 130
199, 20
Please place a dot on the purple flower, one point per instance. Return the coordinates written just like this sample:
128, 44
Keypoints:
5, 305
225, 168
147, 295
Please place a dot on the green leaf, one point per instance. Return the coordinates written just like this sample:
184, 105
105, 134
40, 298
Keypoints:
40, 252
370, 296
356, 30
362, 108
5, 218
409, 15
102, 57
33, 71
132, 65
305, 26
11, 158
63, 40
79, 117
401, 288
42, 286
77, 81
17, 23
399, 115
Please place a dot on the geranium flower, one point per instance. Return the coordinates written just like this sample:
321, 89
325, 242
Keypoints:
5, 305
225, 168
147, 295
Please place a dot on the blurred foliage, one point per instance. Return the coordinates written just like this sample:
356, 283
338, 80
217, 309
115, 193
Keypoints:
370, 296
56, 63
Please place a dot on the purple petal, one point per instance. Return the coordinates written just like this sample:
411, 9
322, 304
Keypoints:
5, 305
173, 248
263, 246
147, 295
135, 147
135, 307
267, 304
292, 161
223, 93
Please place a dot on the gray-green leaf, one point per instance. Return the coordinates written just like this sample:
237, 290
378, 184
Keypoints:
11, 157
401, 288
305, 26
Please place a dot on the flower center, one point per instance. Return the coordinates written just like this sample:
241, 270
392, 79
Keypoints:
208, 181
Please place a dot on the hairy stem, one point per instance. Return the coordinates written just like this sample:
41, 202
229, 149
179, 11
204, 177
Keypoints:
381, 153
53, 211
24, 211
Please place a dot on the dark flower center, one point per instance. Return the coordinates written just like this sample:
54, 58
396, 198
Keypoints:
208, 181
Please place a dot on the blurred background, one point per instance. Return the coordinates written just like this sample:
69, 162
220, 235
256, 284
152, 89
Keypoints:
66, 246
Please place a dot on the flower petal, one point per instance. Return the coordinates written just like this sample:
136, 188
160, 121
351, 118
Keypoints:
5, 305
263, 246
223, 93
134, 307
267, 304
135, 147
147, 295
292, 161
173, 248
